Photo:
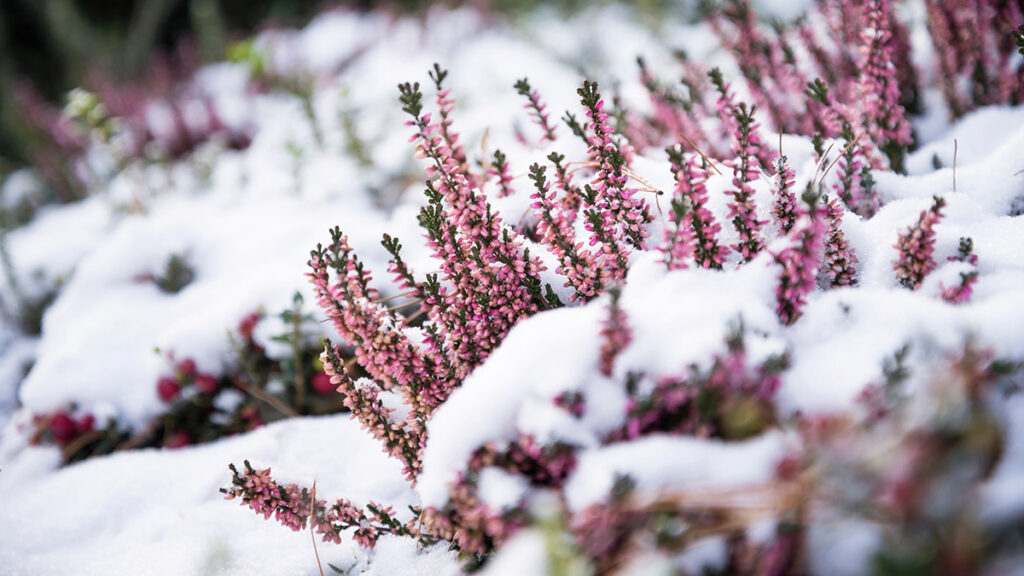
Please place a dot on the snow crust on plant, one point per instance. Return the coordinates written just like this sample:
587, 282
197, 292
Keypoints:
695, 464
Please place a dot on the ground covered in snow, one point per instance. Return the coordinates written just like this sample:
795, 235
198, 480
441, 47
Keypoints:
246, 221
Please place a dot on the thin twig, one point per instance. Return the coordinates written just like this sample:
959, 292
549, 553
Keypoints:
79, 443
956, 147
273, 401
312, 520
139, 437
252, 389
390, 298
823, 160
702, 154
841, 154
405, 305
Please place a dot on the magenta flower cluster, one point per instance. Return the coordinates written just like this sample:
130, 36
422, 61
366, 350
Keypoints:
487, 280
800, 262
915, 246
961, 292
293, 507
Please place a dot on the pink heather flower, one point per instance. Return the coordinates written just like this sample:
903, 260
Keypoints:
478, 254
883, 117
569, 204
974, 54
770, 77
573, 402
615, 334
742, 209
739, 126
800, 264
962, 292
624, 215
677, 404
499, 168
837, 266
575, 262
293, 507
381, 346
784, 209
855, 185
536, 108
678, 247
690, 178
471, 524
402, 439
674, 114
916, 245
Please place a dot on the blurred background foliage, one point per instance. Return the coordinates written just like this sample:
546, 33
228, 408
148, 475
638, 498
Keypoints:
48, 47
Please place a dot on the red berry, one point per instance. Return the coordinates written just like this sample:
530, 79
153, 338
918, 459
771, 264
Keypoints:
85, 424
179, 439
321, 383
248, 324
62, 428
206, 383
187, 367
167, 389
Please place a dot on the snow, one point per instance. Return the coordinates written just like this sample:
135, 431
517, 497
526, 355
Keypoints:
159, 511
245, 222
696, 464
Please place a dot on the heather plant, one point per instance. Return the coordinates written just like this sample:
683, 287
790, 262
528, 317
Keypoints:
204, 405
487, 281
916, 246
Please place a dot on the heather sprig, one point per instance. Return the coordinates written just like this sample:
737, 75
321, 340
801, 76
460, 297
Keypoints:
571, 200
499, 169
757, 54
784, 208
742, 209
575, 262
293, 507
883, 116
690, 193
536, 108
615, 333
916, 245
800, 262
678, 246
837, 267
674, 114
403, 438
962, 292
623, 214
